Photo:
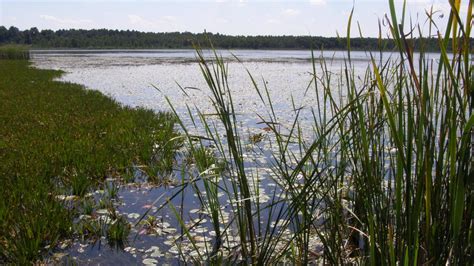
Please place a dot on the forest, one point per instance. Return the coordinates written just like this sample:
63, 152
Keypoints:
105, 38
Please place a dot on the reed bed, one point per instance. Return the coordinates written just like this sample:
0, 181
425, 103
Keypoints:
12, 52
386, 177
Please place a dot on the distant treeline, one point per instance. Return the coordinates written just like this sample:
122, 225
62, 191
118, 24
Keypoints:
103, 38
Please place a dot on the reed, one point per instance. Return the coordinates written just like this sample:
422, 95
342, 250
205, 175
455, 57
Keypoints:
386, 177
14, 52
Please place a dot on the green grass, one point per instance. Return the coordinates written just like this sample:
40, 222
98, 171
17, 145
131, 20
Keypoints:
12, 52
58, 138
389, 169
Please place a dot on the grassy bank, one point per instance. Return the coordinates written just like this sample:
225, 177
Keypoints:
58, 138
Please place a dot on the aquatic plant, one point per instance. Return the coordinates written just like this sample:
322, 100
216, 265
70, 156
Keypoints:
112, 189
118, 231
87, 206
91, 229
385, 176
80, 184
14, 52
60, 131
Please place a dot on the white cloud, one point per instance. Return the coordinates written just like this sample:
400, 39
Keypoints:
165, 23
222, 20
65, 22
318, 2
169, 18
242, 3
139, 21
272, 21
291, 12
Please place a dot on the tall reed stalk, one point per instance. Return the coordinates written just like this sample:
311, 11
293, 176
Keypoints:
387, 177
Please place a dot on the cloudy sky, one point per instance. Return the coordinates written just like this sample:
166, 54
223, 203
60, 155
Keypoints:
235, 17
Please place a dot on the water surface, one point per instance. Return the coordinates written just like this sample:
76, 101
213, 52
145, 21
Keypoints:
145, 78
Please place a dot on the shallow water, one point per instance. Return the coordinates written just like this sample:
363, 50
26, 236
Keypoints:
130, 77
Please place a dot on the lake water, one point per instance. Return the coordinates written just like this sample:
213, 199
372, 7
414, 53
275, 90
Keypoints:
130, 77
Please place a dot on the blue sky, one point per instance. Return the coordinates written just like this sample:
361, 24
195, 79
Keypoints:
235, 17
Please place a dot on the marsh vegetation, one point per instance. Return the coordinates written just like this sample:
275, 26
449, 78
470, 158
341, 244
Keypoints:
13, 52
59, 143
385, 177
374, 167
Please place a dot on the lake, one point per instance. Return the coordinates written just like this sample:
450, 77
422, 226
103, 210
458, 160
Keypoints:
129, 76
145, 78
